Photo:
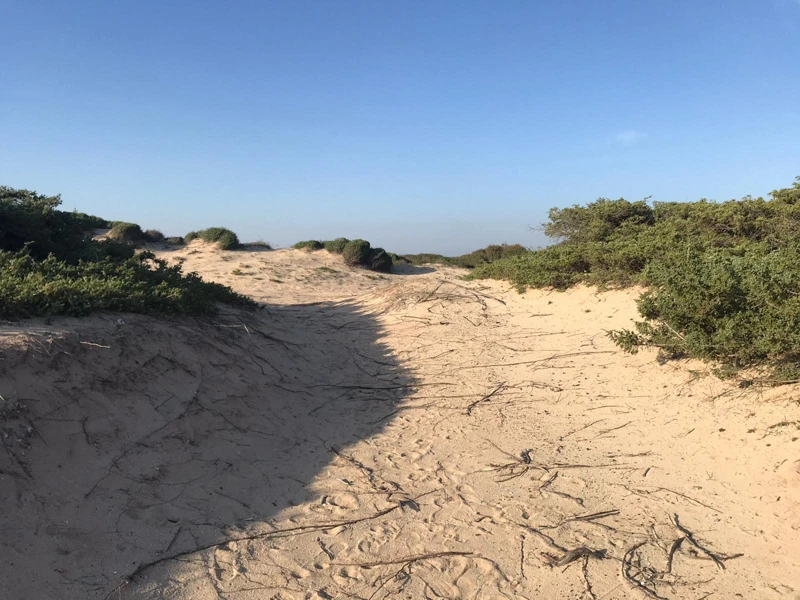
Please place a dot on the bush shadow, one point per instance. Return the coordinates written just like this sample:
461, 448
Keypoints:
411, 270
151, 438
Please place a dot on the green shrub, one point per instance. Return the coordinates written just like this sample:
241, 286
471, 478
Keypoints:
258, 244
175, 240
129, 233
309, 245
140, 284
50, 265
225, 238
29, 219
398, 259
356, 252
379, 260
336, 246
154, 235
473, 259
723, 279
740, 309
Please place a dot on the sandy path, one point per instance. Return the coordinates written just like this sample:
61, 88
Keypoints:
430, 439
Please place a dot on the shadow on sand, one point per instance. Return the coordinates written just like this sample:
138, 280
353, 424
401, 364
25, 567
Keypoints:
150, 439
411, 270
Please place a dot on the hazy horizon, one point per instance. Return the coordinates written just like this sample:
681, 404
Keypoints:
422, 127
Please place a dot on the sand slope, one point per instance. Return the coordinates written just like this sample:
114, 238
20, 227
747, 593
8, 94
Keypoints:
407, 436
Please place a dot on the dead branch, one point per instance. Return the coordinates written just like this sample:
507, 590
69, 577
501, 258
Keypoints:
719, 559
484, 399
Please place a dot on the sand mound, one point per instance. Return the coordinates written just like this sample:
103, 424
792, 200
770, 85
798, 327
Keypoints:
410, 435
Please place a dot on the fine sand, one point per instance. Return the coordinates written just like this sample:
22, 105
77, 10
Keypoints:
375, 436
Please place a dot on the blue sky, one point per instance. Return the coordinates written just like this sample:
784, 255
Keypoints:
419, 125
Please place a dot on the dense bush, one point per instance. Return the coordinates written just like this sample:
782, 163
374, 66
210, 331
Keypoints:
49, 264
141, 284
130, 233
723, 279
32, 220
226, 239
473, 259
379, 260
356, 252
154, 235
258, 244
175, 240
309, 245
336, 246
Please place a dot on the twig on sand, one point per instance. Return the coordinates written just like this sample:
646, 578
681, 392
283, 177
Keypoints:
632, 578
296, 530
673, 549
589, 518
719, 559
575, 554
484, 399
404, 560
546, 486
517, 468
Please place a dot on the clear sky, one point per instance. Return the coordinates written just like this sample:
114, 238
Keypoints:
428, 125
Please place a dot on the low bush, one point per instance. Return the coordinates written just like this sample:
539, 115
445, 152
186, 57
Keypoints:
356, 252
129, 233
379, 260
336, 246
309, 245
154, 235
225, 238
50, 265
473, 259
723, 279
258, 244
175, 240
140, 284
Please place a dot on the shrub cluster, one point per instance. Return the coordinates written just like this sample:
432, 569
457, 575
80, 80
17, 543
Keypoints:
226, 239
127, 232
31, 219
309, 245
49, 264
354, 253
336, 246
723, 279
140, 284
486, 255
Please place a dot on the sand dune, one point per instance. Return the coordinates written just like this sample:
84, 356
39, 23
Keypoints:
401, 436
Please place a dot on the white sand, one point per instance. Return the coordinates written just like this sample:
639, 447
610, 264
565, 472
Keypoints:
330, 444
